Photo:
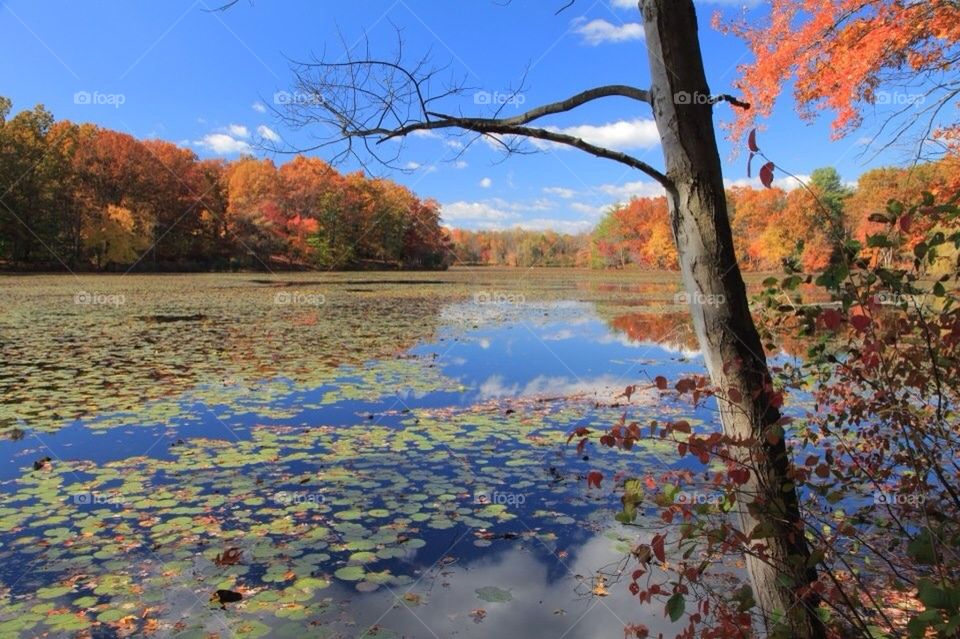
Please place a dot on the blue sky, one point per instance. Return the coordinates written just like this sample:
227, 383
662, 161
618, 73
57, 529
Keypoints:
202, 79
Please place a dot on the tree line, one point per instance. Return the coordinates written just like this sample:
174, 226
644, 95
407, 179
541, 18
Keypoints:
773, 229
81, 197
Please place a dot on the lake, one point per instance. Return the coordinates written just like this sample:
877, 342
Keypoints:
350, 454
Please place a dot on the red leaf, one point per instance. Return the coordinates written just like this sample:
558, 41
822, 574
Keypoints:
860, 322
766, 174
594, 478
739, 476
685, 385
660, 381
681, 426
749, 162
831, 318
752, 141
776, 399
658, 547
905, 222
734, 395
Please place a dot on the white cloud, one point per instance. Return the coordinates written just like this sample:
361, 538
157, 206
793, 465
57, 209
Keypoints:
415, 166
466, 211
486, 182
460, 164
267, 133
540, 204
629, 190
259, 107
622, 135
222, 144
786, 183
238, 131
425, 133
599, 31
586, 209
560, 191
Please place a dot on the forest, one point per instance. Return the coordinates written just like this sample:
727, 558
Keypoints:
103, 200
82, 197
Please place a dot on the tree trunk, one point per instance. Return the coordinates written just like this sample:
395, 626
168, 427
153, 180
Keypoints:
728, 338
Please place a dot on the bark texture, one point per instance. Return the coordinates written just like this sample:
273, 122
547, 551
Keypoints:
729, 339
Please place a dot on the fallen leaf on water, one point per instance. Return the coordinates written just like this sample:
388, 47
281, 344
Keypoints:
230, 557
600, 586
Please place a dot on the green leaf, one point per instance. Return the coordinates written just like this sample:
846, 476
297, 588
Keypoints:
744, 598
921, 548
917, 628
879, 241
791, 283
676, 606
936, 596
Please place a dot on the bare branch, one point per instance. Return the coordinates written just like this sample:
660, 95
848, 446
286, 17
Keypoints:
373, 100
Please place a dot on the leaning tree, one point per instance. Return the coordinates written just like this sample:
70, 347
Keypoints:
361, 102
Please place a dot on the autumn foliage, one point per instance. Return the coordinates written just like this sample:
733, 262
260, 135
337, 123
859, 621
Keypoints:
840, 53
518, 247
81, 197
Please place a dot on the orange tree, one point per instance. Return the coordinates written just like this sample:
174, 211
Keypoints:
850, 55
